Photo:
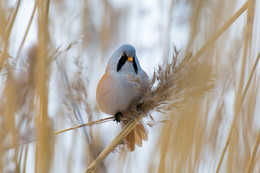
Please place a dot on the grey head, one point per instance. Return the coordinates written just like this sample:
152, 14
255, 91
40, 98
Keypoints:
124, 60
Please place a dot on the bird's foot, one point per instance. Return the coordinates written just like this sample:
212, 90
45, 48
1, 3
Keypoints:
118, 116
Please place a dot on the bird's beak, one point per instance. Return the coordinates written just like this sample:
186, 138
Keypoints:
130, 59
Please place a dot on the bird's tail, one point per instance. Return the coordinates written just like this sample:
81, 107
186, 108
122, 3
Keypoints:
136, 136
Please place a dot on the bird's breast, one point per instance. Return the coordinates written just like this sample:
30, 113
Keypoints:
115, 93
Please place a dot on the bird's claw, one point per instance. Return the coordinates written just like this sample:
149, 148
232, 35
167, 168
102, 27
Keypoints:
118, 116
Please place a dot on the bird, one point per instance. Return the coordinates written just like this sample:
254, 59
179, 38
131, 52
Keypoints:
115, 92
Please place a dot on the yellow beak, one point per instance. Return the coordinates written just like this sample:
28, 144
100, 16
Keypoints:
130, 59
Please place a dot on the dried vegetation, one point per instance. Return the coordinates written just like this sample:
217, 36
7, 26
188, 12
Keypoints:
208, 101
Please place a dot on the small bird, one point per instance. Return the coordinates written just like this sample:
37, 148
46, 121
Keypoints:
115, 92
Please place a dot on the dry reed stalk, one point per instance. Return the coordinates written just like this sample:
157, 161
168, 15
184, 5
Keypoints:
111, 147
6, 35
86, 124
237, 112
8, 108
13, 17
100, 121
44, 144
26, 32
193, 24
252, 159
212, 40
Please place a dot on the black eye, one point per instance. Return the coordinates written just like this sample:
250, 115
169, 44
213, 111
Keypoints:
135, 66
121, 62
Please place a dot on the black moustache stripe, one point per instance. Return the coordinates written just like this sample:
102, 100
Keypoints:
135, 66
121, 62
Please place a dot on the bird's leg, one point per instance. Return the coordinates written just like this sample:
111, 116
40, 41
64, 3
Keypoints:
118, 116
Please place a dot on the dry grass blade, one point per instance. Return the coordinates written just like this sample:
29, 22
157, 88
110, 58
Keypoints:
61, 131
26, 32
220, 31
44, 145
10, 25
194, 22
8, 30
237, 113
251, 75
252, 159
86, 124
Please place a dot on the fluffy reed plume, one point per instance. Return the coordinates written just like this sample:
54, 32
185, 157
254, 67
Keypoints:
172, 84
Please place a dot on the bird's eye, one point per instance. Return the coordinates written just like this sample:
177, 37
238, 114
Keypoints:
121, 62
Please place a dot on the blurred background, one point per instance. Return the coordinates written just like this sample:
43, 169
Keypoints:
53, 53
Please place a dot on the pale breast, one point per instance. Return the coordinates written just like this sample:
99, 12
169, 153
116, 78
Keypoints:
115, 93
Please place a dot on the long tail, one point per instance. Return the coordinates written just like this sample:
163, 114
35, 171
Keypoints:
136, 136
